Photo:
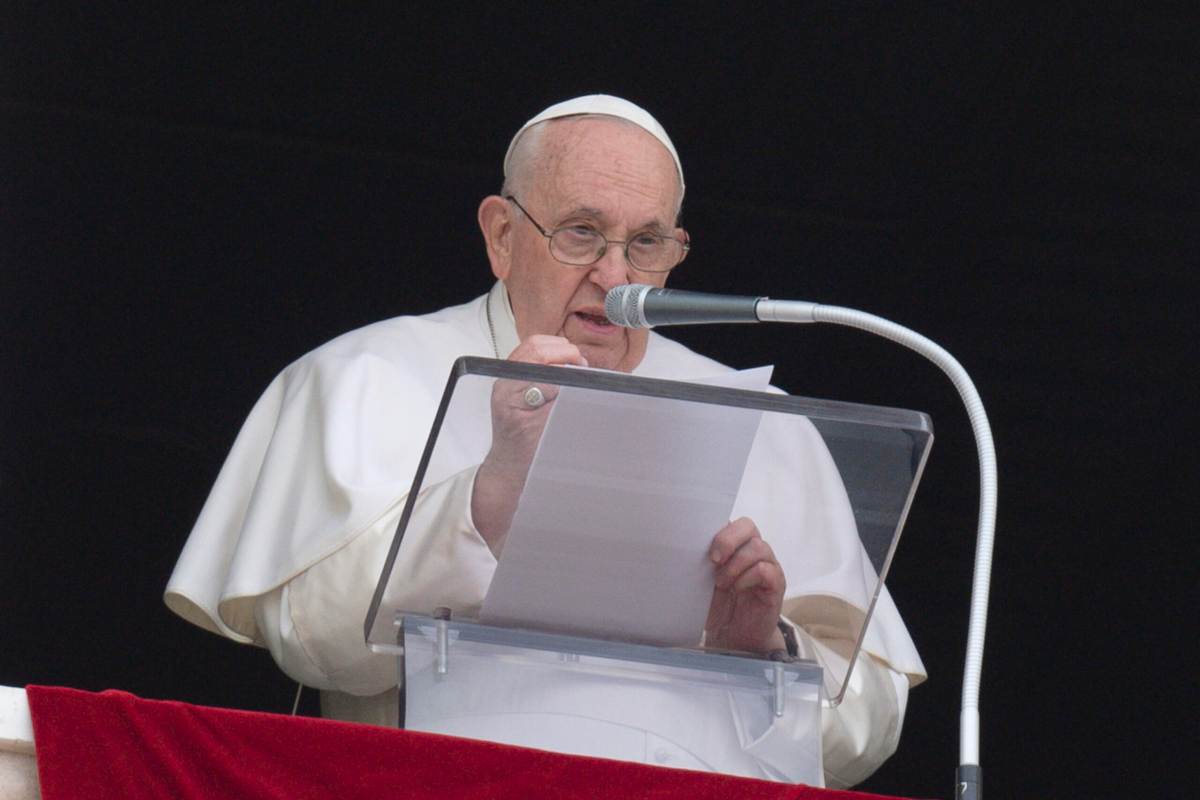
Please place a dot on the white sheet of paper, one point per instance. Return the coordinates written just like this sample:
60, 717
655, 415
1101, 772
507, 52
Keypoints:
611, 534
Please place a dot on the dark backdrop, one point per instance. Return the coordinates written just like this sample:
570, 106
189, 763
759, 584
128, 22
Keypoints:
190, 201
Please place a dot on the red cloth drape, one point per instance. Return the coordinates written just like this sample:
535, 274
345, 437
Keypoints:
113, 744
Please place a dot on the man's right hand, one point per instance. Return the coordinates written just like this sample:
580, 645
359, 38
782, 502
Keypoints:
516, 430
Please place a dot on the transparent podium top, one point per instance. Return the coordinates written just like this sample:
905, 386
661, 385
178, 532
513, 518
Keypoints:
584, 502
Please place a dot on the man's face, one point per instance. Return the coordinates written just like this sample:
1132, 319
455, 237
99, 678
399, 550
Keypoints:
615, 178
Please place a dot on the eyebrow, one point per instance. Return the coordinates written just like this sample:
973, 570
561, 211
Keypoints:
597, 214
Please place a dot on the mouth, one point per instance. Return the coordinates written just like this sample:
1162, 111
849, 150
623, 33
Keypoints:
593, 318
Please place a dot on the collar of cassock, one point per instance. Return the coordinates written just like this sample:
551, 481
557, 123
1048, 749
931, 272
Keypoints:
502, 324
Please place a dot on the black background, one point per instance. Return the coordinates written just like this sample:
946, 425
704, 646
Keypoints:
189, 201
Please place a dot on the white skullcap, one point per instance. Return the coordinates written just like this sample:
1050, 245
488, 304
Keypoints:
608, 106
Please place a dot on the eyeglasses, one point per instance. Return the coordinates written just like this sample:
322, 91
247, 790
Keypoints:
581, 246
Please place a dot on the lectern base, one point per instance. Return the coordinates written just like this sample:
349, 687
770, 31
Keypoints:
669, 707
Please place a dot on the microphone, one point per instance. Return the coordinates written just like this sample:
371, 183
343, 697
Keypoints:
635, 305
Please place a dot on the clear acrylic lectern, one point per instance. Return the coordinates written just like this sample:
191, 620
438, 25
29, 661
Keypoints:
585, 634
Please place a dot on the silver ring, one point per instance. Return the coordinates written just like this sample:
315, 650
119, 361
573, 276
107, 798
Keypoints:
534, 397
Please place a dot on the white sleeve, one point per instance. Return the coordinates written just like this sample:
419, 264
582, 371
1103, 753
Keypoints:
313, 624
862, 731
857, 735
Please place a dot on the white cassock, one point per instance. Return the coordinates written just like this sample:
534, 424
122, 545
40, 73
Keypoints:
291, 542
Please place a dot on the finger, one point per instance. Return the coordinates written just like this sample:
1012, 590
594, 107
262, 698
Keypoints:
541, 349
520, 396
731, 537
537, 349
750, 553
763, 577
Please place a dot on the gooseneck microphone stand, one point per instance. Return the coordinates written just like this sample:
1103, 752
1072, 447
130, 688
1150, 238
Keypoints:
643, 307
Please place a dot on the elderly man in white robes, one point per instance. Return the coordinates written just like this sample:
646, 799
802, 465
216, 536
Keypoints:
291, 541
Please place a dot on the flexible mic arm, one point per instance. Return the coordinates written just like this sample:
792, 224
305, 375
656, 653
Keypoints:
968, 776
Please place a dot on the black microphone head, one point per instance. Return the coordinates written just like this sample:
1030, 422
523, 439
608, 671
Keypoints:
623, 305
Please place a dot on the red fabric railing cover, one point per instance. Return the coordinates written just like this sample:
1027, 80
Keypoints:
113, 744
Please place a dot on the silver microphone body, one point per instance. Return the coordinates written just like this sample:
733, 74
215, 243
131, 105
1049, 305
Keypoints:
636, 305
639, 306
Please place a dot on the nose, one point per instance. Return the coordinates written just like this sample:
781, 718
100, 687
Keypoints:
612, 269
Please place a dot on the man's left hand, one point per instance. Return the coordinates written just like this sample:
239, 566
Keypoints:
748, 596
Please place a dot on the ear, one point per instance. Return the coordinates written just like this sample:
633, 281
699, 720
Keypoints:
682, 235
495, 222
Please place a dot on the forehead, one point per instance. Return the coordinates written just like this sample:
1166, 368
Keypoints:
609, 166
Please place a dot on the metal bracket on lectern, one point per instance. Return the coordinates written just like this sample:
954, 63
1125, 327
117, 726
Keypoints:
442, 651
779, 689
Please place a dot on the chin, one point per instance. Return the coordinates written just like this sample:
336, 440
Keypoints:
603, 358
